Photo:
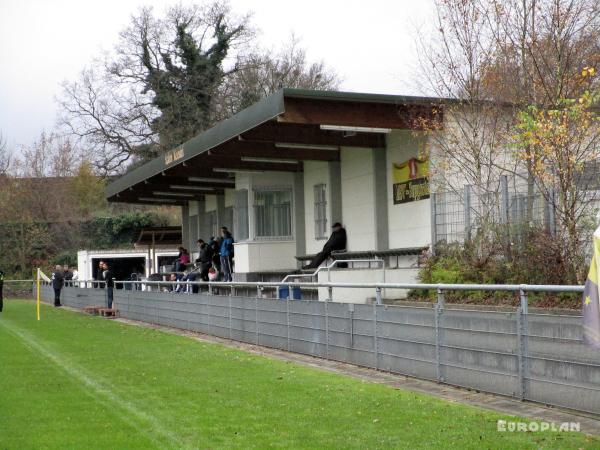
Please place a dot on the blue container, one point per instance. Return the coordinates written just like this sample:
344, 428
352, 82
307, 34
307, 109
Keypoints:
284, 293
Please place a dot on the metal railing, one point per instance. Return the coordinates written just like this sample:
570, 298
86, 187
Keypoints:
440, 288
333, 264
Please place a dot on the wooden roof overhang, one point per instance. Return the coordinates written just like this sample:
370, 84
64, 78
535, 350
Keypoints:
276, 134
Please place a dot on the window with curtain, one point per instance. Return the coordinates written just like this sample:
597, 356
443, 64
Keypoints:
320, 191
273, 214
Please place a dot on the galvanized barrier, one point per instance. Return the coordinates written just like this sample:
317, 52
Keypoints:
530, 356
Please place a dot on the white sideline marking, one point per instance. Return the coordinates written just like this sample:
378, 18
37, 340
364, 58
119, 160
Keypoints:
111, 399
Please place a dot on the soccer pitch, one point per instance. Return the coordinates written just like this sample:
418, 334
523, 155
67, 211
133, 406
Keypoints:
81, 382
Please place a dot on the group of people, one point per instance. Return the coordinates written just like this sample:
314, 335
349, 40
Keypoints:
62, 276
214, 261
215, 257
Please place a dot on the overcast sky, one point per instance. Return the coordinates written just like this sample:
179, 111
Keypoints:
43, 42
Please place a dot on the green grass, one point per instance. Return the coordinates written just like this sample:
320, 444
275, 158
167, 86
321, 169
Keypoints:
77, 382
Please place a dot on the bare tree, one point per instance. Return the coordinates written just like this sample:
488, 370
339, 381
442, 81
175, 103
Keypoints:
158, 87
266, 71
5, 156
472, 148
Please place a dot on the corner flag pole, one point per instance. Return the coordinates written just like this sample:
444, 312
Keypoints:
38, 293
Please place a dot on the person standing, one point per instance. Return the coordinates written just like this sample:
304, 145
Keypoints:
68, 276
226, 252
109, 283
58, 281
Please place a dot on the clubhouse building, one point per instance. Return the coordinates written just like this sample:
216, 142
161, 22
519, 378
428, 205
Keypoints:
281, 172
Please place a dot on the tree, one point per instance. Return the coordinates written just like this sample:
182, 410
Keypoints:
171, 77
158, 88
266, 71
566, 142
5, 156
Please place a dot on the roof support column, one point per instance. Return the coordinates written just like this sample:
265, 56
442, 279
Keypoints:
299, 226
185, 223
380, 199
335, 193
221, 217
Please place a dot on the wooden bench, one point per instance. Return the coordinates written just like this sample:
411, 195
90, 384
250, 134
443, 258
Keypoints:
107, 312
92, 310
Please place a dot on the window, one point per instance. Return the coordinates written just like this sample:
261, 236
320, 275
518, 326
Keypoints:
273, 214
240, 215
320, 211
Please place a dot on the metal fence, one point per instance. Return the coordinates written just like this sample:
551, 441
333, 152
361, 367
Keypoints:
517, 353
458, 216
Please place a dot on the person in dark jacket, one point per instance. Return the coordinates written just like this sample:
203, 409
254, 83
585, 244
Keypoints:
204, 260
215, 246
109, 279
68, 275
337, 241
1, 286
58, 281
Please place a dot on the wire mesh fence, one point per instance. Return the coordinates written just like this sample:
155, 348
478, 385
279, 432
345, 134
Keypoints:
17, 288
512, 207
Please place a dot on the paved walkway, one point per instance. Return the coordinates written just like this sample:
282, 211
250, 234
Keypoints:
509, 406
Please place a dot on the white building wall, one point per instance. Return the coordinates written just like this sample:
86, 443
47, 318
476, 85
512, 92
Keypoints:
210, 203
229, 197
193, 208
315, 172
358, 197
265, 256
354, 295
409, 224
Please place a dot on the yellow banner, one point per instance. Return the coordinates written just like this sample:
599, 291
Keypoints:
411, 181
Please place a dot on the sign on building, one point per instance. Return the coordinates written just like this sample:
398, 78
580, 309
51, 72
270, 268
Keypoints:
411, 181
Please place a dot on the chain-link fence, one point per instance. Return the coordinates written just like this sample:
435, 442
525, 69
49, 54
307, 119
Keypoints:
459, 216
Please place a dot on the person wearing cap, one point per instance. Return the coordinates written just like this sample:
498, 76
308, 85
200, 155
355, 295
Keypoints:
337, 241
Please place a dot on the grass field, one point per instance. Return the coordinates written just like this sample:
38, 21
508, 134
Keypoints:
79, 382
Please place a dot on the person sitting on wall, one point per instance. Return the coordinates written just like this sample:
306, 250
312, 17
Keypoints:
337, 241
183, 258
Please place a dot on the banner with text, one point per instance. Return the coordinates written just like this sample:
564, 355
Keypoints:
411, 181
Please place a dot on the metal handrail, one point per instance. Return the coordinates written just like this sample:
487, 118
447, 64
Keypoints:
330, 266
418, 286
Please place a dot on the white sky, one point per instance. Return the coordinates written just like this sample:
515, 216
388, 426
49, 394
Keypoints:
43, 42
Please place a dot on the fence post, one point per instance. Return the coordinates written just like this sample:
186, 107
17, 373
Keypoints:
287, 318
375, 343
439, 310
327, 330
504, 203
433, 207
378, 299
256, 319
467, 211
230, 312
330, 294
351, 318
522, 331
